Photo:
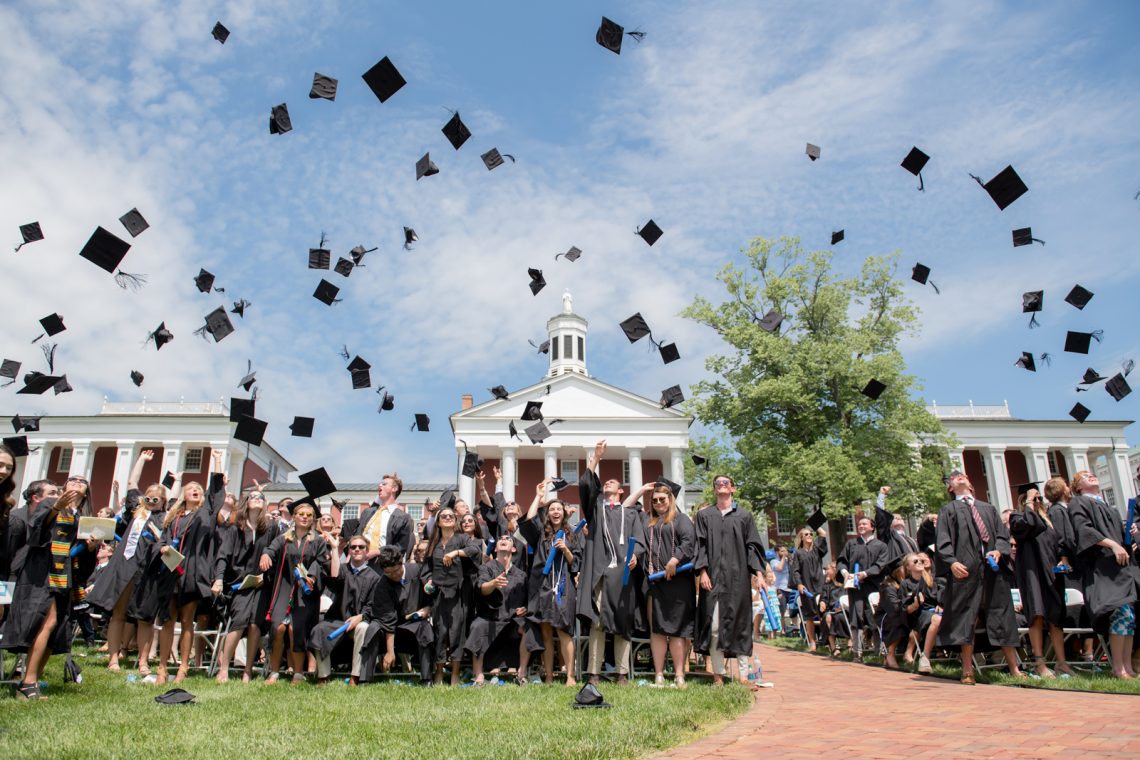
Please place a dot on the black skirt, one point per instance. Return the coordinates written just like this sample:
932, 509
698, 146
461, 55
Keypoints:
673, 605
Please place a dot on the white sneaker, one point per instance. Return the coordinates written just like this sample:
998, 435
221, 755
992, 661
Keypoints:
923, 664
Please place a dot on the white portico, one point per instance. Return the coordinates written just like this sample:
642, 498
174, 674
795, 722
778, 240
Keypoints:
644, 440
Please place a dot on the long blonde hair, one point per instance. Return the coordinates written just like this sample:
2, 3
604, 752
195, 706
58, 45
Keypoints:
1038, 507
927, 578
142, 511
670, 513
180, 505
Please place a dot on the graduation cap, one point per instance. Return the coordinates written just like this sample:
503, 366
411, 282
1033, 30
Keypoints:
52, 324
241, 407
610, 33
18, 444
319, 258
249, 379
383, 79
817, 519
1026, 362
343, 267
317, 483
62, 386
873, 389
361, 377
537, 433
1078, 342
1024, 236
472, 463
326, 293
26, 424
1004, 188
161, 336
1024, 488
572, 255
537, 281
218, 325
30, 233
279, 122
447, 499
650, 233
500, 392
589, 696
323, 87
669, 352
1091, 376
168, 480
671, 396
250, 430
421, 424
37, 383
812, 151
674, 487
543, 347
1032, 301
71, 671
240, 306
425, 167
10, 368
493, 159
920, 273
1079, 297
914, 162
175, 697
221, 34
409, 238
1079, 412
1117, 387
134, 222
533, 411
771, 321
837, 237
635, 328
204, 281
512, 430
700, 461
456, 131
137, 378
106, 251
559, 484
357, 254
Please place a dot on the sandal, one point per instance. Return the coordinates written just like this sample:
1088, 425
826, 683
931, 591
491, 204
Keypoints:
273, 678
180, 676
29, 692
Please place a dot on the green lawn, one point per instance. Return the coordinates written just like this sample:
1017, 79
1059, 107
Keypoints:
108, 717
1088, 680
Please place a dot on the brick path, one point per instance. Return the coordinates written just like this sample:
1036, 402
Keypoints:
814, 712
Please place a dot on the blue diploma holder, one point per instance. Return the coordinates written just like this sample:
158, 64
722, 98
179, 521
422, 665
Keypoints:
578, 528
550, 555
1130, 522
338, 632
628, 556
769, 613
660, 574
306, 589
856, 575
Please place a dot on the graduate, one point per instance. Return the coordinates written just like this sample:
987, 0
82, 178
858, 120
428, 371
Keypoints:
870, 554
971, 536
1111, 577
925, 618
502, 516
383, 523
238, 556
670, 542
728, 552
500, 601
552, 596
893, 611
403, 609
891, 529
355, 587
449, 563
830, 603
605, 603
807, 575
7, 506
115, 586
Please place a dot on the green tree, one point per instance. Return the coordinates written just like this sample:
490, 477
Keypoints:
787, 407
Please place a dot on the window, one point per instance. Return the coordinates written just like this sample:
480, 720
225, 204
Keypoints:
784, 525
415, 511
567, 346
1109, 497
850, 523
625, 471
569, 470
554, 349
581, 349
192, 462
350, 512
1054, 459
64, 459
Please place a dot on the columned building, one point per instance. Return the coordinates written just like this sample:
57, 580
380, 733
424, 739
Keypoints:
644, 440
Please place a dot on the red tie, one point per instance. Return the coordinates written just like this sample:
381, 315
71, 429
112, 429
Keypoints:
982, 532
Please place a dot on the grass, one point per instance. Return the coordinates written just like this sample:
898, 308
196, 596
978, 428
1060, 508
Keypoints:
1098, 680
108, 717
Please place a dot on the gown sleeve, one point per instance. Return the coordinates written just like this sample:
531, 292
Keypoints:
588, 489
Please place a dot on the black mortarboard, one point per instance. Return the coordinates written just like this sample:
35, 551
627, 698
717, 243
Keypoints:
559, 484
456, 131
537, 281
358, 363
771, 321
512, 430
500, 392
175, 696
588, 695
26, 424
62, 386
812, 151
1091, 376
37, 383
650, 233
241, 407
837, 237
161, 336
609, 35
204, 281
873, 389
357, 254
30, 233
571, 255
387, 401
317, 483
422, 422
383, 79
319, 258
669, 353
493, 159
533, 411
240, 306
1078, 297
218, 325
472, 463
674, 487
18, 444
52, 324
248, 380
447, 499
1032, 301
914, 162
425, 167
1024, 236
105, 250
671, 396
1026, 362
279, 121
168, 480
920, 273
134, 222
1117, 386
10, 368
1078, 342
1079, 412
635, 328
302, 427
818, 519
537, 433
361, 379
250, 430
1024, 488
343, 266
137, 377
221, 34
1004, 188
543, 347
409, 238
323, 87
326, 293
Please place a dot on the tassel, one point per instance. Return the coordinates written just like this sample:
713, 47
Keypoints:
1033, 321
978, 179
1128, 367
637, 35
508, 155
921, 187
1047, 359
344, 352
203, 332
936, 290
49, 355
128, 281
1097, 335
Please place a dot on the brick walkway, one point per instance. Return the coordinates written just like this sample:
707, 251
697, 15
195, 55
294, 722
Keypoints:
817, 709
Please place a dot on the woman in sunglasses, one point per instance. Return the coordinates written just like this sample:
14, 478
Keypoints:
115, 585
449, 565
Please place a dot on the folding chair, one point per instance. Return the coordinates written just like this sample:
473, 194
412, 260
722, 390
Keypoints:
1074, 601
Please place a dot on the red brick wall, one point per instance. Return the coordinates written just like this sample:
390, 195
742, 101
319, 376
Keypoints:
972, 461
250, 471
1017, 472
53, 472
152, 471
102, 473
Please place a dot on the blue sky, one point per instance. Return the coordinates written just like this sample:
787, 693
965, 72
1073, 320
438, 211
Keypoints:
701, 127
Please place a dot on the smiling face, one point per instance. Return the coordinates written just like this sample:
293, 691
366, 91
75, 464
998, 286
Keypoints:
661, 500
865, 528
76, 484
7, 465
556, 513
467, 524
303, 517
723, 487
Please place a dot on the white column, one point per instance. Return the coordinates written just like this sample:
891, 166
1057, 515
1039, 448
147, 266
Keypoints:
510, 470
1123, 487
172, 458
1037, 464
999, 481
677, 474
233, 462
466, 484
34, 465
957, 459
635, 475
1077, 459
80, 459
550, 461
124, 461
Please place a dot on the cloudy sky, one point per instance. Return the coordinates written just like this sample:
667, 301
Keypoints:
701, 127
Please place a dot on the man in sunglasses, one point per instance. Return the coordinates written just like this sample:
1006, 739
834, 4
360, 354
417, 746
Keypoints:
355, 588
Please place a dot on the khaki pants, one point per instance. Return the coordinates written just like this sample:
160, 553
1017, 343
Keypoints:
716, 653
324, 664
622, 647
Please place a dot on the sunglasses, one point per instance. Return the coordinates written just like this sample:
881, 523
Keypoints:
447, 517
660, 499
257, 495
152, 499
722, 482
77, 480
357, 548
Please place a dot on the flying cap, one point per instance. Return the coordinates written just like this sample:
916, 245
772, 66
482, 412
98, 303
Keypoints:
37, 383
425, 167
137, 378
323, 87
317, 483
472, 463
106, 251
812, 151
610, 33
664, 481
571, 255
279, 121
10, 368
361, 379
1004, 188
1026, 362
512, 430
493, 159
241, 407
1078, 342
818, 519
18, 444
700, 461
161, 336
671, 396
240, 306
26, 424
52, 324
650, 233
422, 422
1079, 297
343, 267
248, 380
357, 254
1079, 412
1091, 376
204, 281
559, 484
669, 353
62, 386
319, 258
134, 222
920, 273
537, 433
537, 281
409, 238
221, 34
500, 392
837, 237
533, 411
387, 401
383, 79
635, 328
250, 430
326, 293
1032, 301
1117, 387
542, 348
218, 325
1024, 236
30, 233
168, 480
914, 162
456, 131
771, 321
873, 389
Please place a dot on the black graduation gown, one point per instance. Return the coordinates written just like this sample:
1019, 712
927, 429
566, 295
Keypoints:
1108, 586
898, 544
551, 598
871, 557
396, 600
729, 549
287, 597
892, 610
15, 543
673, 602
832, 597
1039, 549
496, 629
192, 535
931, 600
113, 580
449, 608
603, 561
926, 535
497, 525
807, 569
356, 594
398, 532
238, 556
983, 592
150, 601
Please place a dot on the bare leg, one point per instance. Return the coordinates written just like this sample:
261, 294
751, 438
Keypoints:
145, 636
677, 647
524, 659
891, 662
548, 653
477, 669
967, 660
809, 625
566, 646
115, 627
186, 642
911, 645
229, 646
658, 644
40, 651
1011, 661
1120, 653
455, 672
1057, 639
252, 644
932, 636
277, 649
166, 642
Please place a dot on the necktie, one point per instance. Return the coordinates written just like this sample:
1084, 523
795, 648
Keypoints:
982, 532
